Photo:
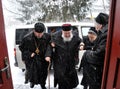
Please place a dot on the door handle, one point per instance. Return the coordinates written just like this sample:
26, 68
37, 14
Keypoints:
6, 68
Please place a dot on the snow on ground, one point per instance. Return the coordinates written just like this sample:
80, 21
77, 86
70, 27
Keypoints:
17, 74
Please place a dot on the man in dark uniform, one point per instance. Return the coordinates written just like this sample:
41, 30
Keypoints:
93, 60
33, 48
66, 45
87, 44
89, 40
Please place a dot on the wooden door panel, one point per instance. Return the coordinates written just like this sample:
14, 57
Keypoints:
116, 82
5, 75
111, 75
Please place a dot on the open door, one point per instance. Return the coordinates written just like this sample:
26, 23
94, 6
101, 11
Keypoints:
111, 76
5, 75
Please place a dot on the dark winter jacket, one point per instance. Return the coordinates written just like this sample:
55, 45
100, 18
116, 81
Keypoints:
37, 66
97, 55
64, 60
88, 44
93, 60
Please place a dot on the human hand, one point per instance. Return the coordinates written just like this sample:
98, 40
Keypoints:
53, 44
47, 59
82, 46
33, 54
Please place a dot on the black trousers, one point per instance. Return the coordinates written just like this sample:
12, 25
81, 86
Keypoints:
92, 75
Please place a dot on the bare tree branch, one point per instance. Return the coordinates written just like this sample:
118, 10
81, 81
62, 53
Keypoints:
12, 11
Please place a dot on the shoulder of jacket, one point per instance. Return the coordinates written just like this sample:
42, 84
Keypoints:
28, 36
47, 35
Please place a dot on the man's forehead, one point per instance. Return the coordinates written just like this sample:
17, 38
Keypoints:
67, 31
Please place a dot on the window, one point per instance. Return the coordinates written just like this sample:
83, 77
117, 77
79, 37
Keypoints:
20, 33
84, 30
53, 29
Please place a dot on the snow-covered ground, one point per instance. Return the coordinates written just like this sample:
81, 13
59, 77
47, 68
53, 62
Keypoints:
17, 74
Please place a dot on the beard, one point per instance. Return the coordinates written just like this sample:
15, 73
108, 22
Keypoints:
67, 39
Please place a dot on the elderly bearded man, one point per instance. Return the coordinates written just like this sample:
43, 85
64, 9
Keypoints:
66, 45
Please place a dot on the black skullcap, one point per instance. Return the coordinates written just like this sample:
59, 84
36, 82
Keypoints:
39, 27
102, 18
66, 27
92, 30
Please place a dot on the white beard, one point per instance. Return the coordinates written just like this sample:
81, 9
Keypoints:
67, 39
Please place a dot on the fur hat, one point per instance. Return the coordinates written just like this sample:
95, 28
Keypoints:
92, 30
102, 18
39, 27
66, 27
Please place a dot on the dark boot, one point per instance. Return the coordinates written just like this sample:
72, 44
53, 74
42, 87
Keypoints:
85, 87
31, 85
26, 81
43, 87
26, 77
